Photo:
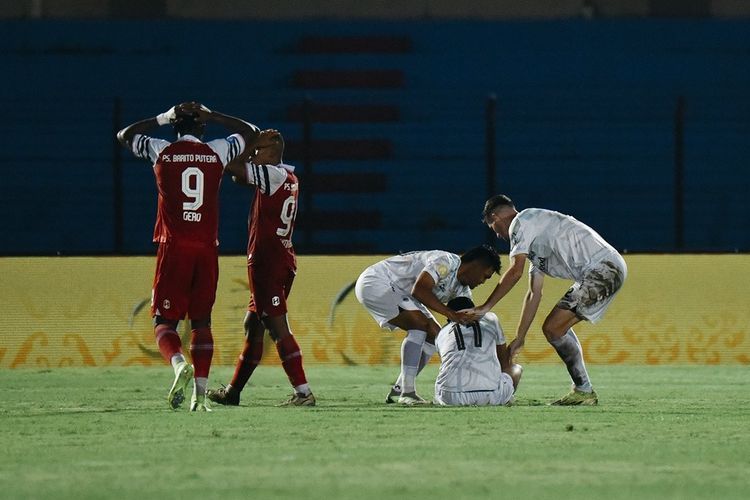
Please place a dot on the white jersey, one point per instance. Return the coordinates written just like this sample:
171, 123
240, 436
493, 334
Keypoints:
403, 270
468, 356
557, 244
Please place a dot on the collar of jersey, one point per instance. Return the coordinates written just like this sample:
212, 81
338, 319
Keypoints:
188, 137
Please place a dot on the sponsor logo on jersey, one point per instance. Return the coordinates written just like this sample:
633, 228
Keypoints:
184, 158
539, 262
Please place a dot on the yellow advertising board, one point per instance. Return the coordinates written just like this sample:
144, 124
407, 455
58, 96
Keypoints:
94, 311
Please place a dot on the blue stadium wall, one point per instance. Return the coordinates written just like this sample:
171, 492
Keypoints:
585, 125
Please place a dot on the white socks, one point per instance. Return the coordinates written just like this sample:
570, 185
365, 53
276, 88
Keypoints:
177, 360
411, 354
569, 349
303, 389
201, 384
426, 352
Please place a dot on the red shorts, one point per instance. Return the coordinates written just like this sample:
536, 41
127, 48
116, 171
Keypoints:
269, 289
185, 281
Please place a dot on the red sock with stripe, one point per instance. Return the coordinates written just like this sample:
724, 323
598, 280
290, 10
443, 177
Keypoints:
250, 357
201, 350
168, 341
291, 360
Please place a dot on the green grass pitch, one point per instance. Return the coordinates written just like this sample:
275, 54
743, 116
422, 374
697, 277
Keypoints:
659, 432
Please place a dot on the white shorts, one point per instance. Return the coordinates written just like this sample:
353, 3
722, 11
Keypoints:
500, 396
590, 298
383, 300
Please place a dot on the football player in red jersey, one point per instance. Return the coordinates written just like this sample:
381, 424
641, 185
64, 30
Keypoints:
188, 176
271, 267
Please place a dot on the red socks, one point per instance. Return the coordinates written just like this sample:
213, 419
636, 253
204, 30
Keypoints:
291, 360
168, 341
248, 360
201, 350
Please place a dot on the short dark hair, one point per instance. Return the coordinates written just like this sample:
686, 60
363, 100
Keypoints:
486, 254
499, 200
459, 303
188, 124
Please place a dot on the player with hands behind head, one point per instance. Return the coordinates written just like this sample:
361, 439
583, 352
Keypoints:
271, 268
188, 175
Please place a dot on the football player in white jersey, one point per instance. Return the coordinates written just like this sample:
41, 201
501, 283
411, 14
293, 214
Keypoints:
399, 292
475, 363
560, 246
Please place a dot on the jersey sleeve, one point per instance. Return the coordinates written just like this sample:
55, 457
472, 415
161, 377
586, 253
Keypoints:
228, 148
438, 266
148, 148
520, 238
267, 178
492, 319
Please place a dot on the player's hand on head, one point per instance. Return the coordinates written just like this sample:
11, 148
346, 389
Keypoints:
475, 313
267, 137
169, 116
461, 317
193, 108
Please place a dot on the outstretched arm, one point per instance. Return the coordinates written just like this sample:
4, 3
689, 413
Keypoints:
507, 281
528, 311
422, 291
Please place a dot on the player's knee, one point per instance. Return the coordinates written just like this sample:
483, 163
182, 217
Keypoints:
278, 327
277, 333
551, 331
160, 320
254, 328
515, 373
200, 323
251, 320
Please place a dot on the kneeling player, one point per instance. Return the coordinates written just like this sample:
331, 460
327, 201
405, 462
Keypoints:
475, 364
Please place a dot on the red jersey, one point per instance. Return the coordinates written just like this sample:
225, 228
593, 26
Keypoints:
272, 217
188, 176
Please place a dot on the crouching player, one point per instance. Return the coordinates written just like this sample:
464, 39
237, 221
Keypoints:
475, 363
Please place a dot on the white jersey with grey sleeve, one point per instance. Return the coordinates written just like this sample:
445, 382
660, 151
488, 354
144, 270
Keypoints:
385, 288
403, 270
557, 244
468, 356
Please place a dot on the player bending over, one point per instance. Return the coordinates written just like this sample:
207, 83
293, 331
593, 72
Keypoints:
560, 246
400, 291
475, 363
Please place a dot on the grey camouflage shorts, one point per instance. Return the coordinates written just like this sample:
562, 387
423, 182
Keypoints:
590, 298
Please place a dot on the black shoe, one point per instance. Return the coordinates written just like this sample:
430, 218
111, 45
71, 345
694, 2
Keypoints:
393, 395
224, 396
